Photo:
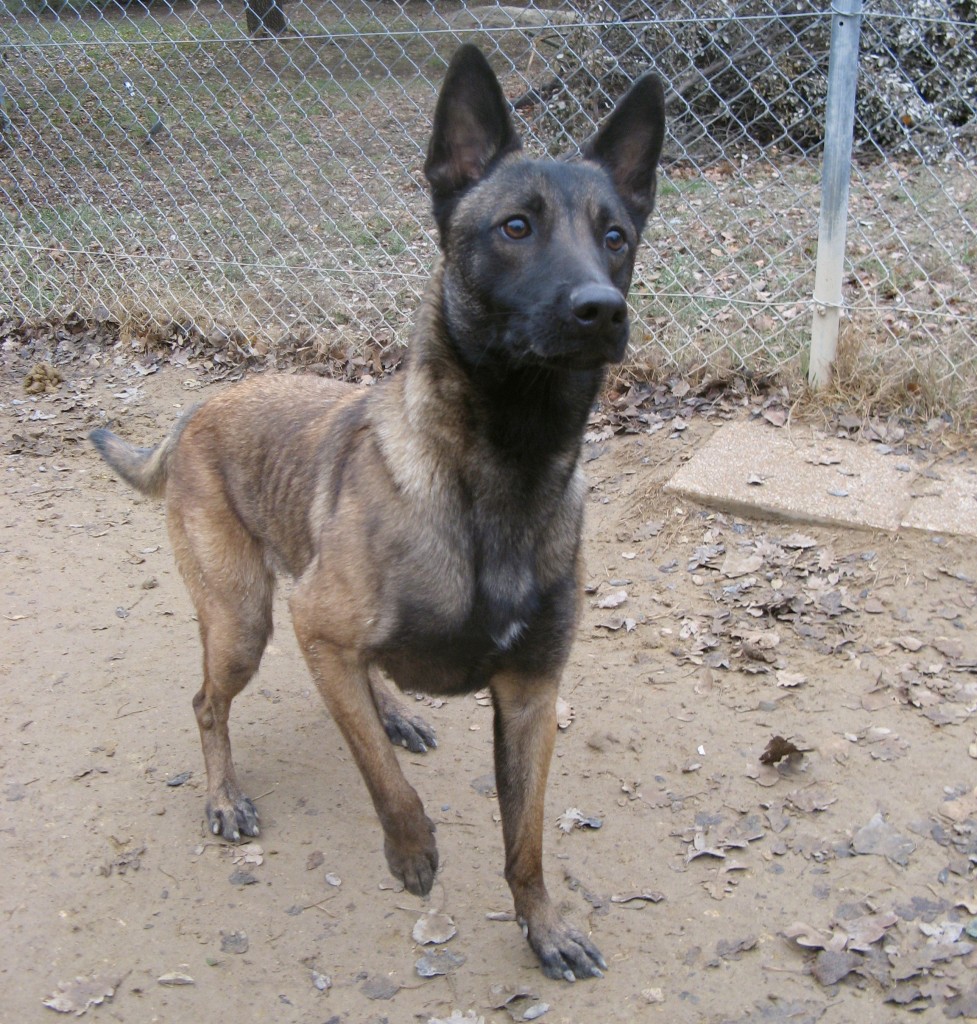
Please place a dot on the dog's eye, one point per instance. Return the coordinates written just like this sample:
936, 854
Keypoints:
516, 228
615, 240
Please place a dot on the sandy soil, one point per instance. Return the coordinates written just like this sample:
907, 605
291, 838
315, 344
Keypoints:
859, 648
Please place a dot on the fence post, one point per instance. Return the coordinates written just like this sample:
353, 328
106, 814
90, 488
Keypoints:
835, 176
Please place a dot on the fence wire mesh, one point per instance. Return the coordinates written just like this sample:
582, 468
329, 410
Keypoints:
250, 175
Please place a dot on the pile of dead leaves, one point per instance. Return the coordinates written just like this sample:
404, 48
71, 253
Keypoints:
215, 352
905, 949
761, 586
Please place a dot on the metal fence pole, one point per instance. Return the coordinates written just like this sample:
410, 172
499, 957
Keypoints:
835, 176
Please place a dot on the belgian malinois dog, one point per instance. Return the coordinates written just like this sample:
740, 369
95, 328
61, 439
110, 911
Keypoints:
431, 524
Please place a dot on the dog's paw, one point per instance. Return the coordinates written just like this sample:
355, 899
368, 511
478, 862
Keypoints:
407, 731
232, 820
414, 864
564, 952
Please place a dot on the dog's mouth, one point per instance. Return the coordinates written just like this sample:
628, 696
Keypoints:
575, 353
581, 361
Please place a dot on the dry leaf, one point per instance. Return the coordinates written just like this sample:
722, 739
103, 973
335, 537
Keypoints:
811, 799
760, 639
778, 748
963, 1005
249, 853
701, 848
811, 938
175, 979
776, 415
573, 818
730, 949
616, 622
379, 987
960, 809
864, 931
830, 966
647, 896
737, 564
433, 928
948, 647
78, 995
505, 997
439, 962
766, 775
881, 839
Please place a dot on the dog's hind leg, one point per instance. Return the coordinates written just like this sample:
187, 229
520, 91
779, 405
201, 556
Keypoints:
403, 729
232, 591
525, 732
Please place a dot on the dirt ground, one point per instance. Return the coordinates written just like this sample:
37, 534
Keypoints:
833, 885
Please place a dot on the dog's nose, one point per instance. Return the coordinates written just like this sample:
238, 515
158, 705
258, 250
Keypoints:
596, 307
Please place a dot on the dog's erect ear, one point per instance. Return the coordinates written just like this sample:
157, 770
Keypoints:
472, 128
629, 144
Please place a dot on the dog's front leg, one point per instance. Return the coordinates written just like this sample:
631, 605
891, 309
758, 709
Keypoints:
525, 731
343, 681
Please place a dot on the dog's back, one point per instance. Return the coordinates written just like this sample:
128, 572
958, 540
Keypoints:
245, 434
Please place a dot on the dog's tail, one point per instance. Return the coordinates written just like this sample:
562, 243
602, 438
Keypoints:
145, 469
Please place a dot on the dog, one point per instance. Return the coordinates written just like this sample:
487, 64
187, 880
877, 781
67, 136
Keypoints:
430, 524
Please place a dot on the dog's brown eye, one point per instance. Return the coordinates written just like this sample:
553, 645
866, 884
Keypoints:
615, 240
516, 228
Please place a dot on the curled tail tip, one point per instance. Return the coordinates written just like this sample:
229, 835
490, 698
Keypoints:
100, 437
107, 444
141, 468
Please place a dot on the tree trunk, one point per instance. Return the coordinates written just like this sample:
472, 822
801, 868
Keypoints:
265, 17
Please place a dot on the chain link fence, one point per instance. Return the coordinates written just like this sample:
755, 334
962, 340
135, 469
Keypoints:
249, 176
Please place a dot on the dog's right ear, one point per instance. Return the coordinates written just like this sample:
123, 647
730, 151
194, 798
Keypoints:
472, 129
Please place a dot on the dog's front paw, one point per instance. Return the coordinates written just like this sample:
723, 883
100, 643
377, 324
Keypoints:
414, 862
564, 952
232, 818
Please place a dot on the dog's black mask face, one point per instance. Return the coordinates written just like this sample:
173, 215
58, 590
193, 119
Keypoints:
540, 252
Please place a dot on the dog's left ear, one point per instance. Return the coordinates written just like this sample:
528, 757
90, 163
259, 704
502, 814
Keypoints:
629, 144
472, 129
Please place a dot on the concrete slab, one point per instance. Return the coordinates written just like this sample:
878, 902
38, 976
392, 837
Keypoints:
796, 472
946, 503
